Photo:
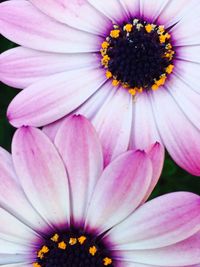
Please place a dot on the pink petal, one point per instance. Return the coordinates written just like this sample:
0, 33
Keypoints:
144, 130
14, 231
160, 222
113, 9
11, 192
157, 155
179, 135
132, 7
152, 9
116, 111
65, 90
183, 253
20, 67
174, 11
31, 28
135, 264
185, 31
75, 13
42, 174
83, 159
120, 190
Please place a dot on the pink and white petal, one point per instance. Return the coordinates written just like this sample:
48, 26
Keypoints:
116, 111
42, 174
144, 132
75, 13
175, 11
187, 99
135, 264
25, 29
20, 67
189, 73
160, 222
83, 159
157, 155
152, 9
179, 135
11, 192
184, 253
89, 109
6, 259
132, 7
188, 54
18, 265
112, 9
13, 230
120, 190
185, 31
54, 97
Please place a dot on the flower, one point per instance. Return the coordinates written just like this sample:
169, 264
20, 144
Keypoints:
130, 66
59, 207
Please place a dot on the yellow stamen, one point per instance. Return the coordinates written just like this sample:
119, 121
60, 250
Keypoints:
107, 261
62, 245
115, 33
42, 251
148, 28
105, 60
115, 82
154, 87
168, 46
170, 68
108, 74
161, 29
128, 27
140, 90
105, 45
132, 91
161, 81
93, 250
81, 239
35, 264
72, 241
55, 238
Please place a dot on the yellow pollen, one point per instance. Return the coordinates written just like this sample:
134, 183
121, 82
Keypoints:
35, 264
170, 68
103, 52
115, 82
168, 46
81, 239
132, 91
107, 261
148, 28
140, 90
161, 29
72, 241
161, 81
105, 45
42, 251
115, 33
105, 60
55, 238
93, 250
108, 74
62, 245
154, 87
128, 27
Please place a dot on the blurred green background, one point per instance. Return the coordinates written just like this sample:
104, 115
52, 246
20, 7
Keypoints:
173, 178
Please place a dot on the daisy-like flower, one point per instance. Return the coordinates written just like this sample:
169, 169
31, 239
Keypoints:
131, 66
59, 207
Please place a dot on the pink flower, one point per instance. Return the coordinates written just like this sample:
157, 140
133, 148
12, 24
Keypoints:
59, 207
106, 59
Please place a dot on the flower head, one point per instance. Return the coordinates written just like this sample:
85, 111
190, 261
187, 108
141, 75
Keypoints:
132, 65
59, 207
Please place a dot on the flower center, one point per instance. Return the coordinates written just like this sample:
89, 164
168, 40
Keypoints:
72, 248
138, 55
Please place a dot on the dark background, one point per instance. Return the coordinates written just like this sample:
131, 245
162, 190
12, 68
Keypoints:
173, 178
